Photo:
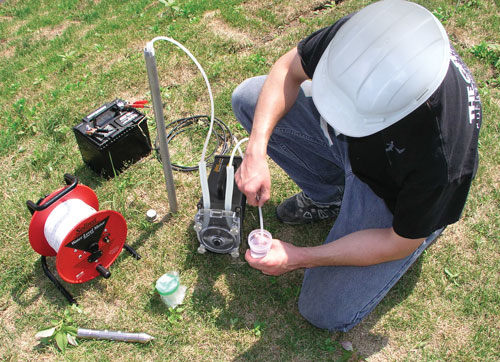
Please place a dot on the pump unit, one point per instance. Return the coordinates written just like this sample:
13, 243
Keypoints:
219, 228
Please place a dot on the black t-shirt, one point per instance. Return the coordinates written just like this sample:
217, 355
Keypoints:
423, 165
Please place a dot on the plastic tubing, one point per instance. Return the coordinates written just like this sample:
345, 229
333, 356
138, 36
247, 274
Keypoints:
261, 221
229, 187
202, 164
230, 183
239, 148
230, 176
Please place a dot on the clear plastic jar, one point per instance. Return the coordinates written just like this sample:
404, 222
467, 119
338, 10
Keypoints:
170, 290
260, 242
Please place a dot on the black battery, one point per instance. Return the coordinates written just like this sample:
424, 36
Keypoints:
112, 137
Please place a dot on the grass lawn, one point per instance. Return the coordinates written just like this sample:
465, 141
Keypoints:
60, 59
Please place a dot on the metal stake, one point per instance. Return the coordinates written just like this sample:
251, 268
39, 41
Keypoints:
114, 335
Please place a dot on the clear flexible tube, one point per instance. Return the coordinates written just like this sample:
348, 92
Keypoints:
230, 176
202, 164
230, 182
237, 147
229, 187
261, 221
204, 184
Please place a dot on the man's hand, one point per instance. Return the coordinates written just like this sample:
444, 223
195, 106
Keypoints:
281, 258
254, 180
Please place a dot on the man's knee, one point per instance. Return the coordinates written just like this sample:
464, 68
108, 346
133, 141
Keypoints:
244, 99
331, 314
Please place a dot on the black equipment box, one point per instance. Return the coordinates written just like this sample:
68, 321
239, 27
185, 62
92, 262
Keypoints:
217, 185
113, 137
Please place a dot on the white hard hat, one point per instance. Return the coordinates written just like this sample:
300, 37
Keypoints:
382, 64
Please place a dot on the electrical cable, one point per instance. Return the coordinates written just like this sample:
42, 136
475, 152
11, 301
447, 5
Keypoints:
221, 131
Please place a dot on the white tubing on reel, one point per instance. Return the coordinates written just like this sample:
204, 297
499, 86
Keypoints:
202, 163
230, 176
63, 219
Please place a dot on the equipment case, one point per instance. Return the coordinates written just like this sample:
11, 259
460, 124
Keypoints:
113, 137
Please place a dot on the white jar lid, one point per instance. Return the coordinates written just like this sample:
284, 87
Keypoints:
168, 283
151, 215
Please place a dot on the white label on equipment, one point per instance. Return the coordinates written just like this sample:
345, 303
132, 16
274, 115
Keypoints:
126, 118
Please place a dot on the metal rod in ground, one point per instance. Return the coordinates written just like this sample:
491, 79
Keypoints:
154, 85
114, 335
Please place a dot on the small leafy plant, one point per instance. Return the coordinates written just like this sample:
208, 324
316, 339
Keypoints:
258, 327
175, 315
489, 52
61, 331
233, 321
442, 14
452, 277
329, 345
69, 56
170, 4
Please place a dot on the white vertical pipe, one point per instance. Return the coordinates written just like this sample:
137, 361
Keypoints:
154, 85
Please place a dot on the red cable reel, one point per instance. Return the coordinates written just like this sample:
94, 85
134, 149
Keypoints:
67, 224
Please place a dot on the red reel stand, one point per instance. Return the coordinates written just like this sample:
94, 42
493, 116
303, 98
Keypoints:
89, 248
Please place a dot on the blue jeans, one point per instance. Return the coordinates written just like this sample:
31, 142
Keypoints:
333, 297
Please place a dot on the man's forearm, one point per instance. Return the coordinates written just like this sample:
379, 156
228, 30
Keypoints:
361, 248
277, 96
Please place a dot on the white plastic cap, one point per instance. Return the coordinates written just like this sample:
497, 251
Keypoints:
382, 64
149, 48
151, 215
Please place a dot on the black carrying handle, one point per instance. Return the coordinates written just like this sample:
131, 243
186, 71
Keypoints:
103, 271
70, 180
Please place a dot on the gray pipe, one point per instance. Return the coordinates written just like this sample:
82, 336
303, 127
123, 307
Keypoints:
114, 335
154, 86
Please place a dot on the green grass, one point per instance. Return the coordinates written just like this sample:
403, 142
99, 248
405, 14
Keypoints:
63, 58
